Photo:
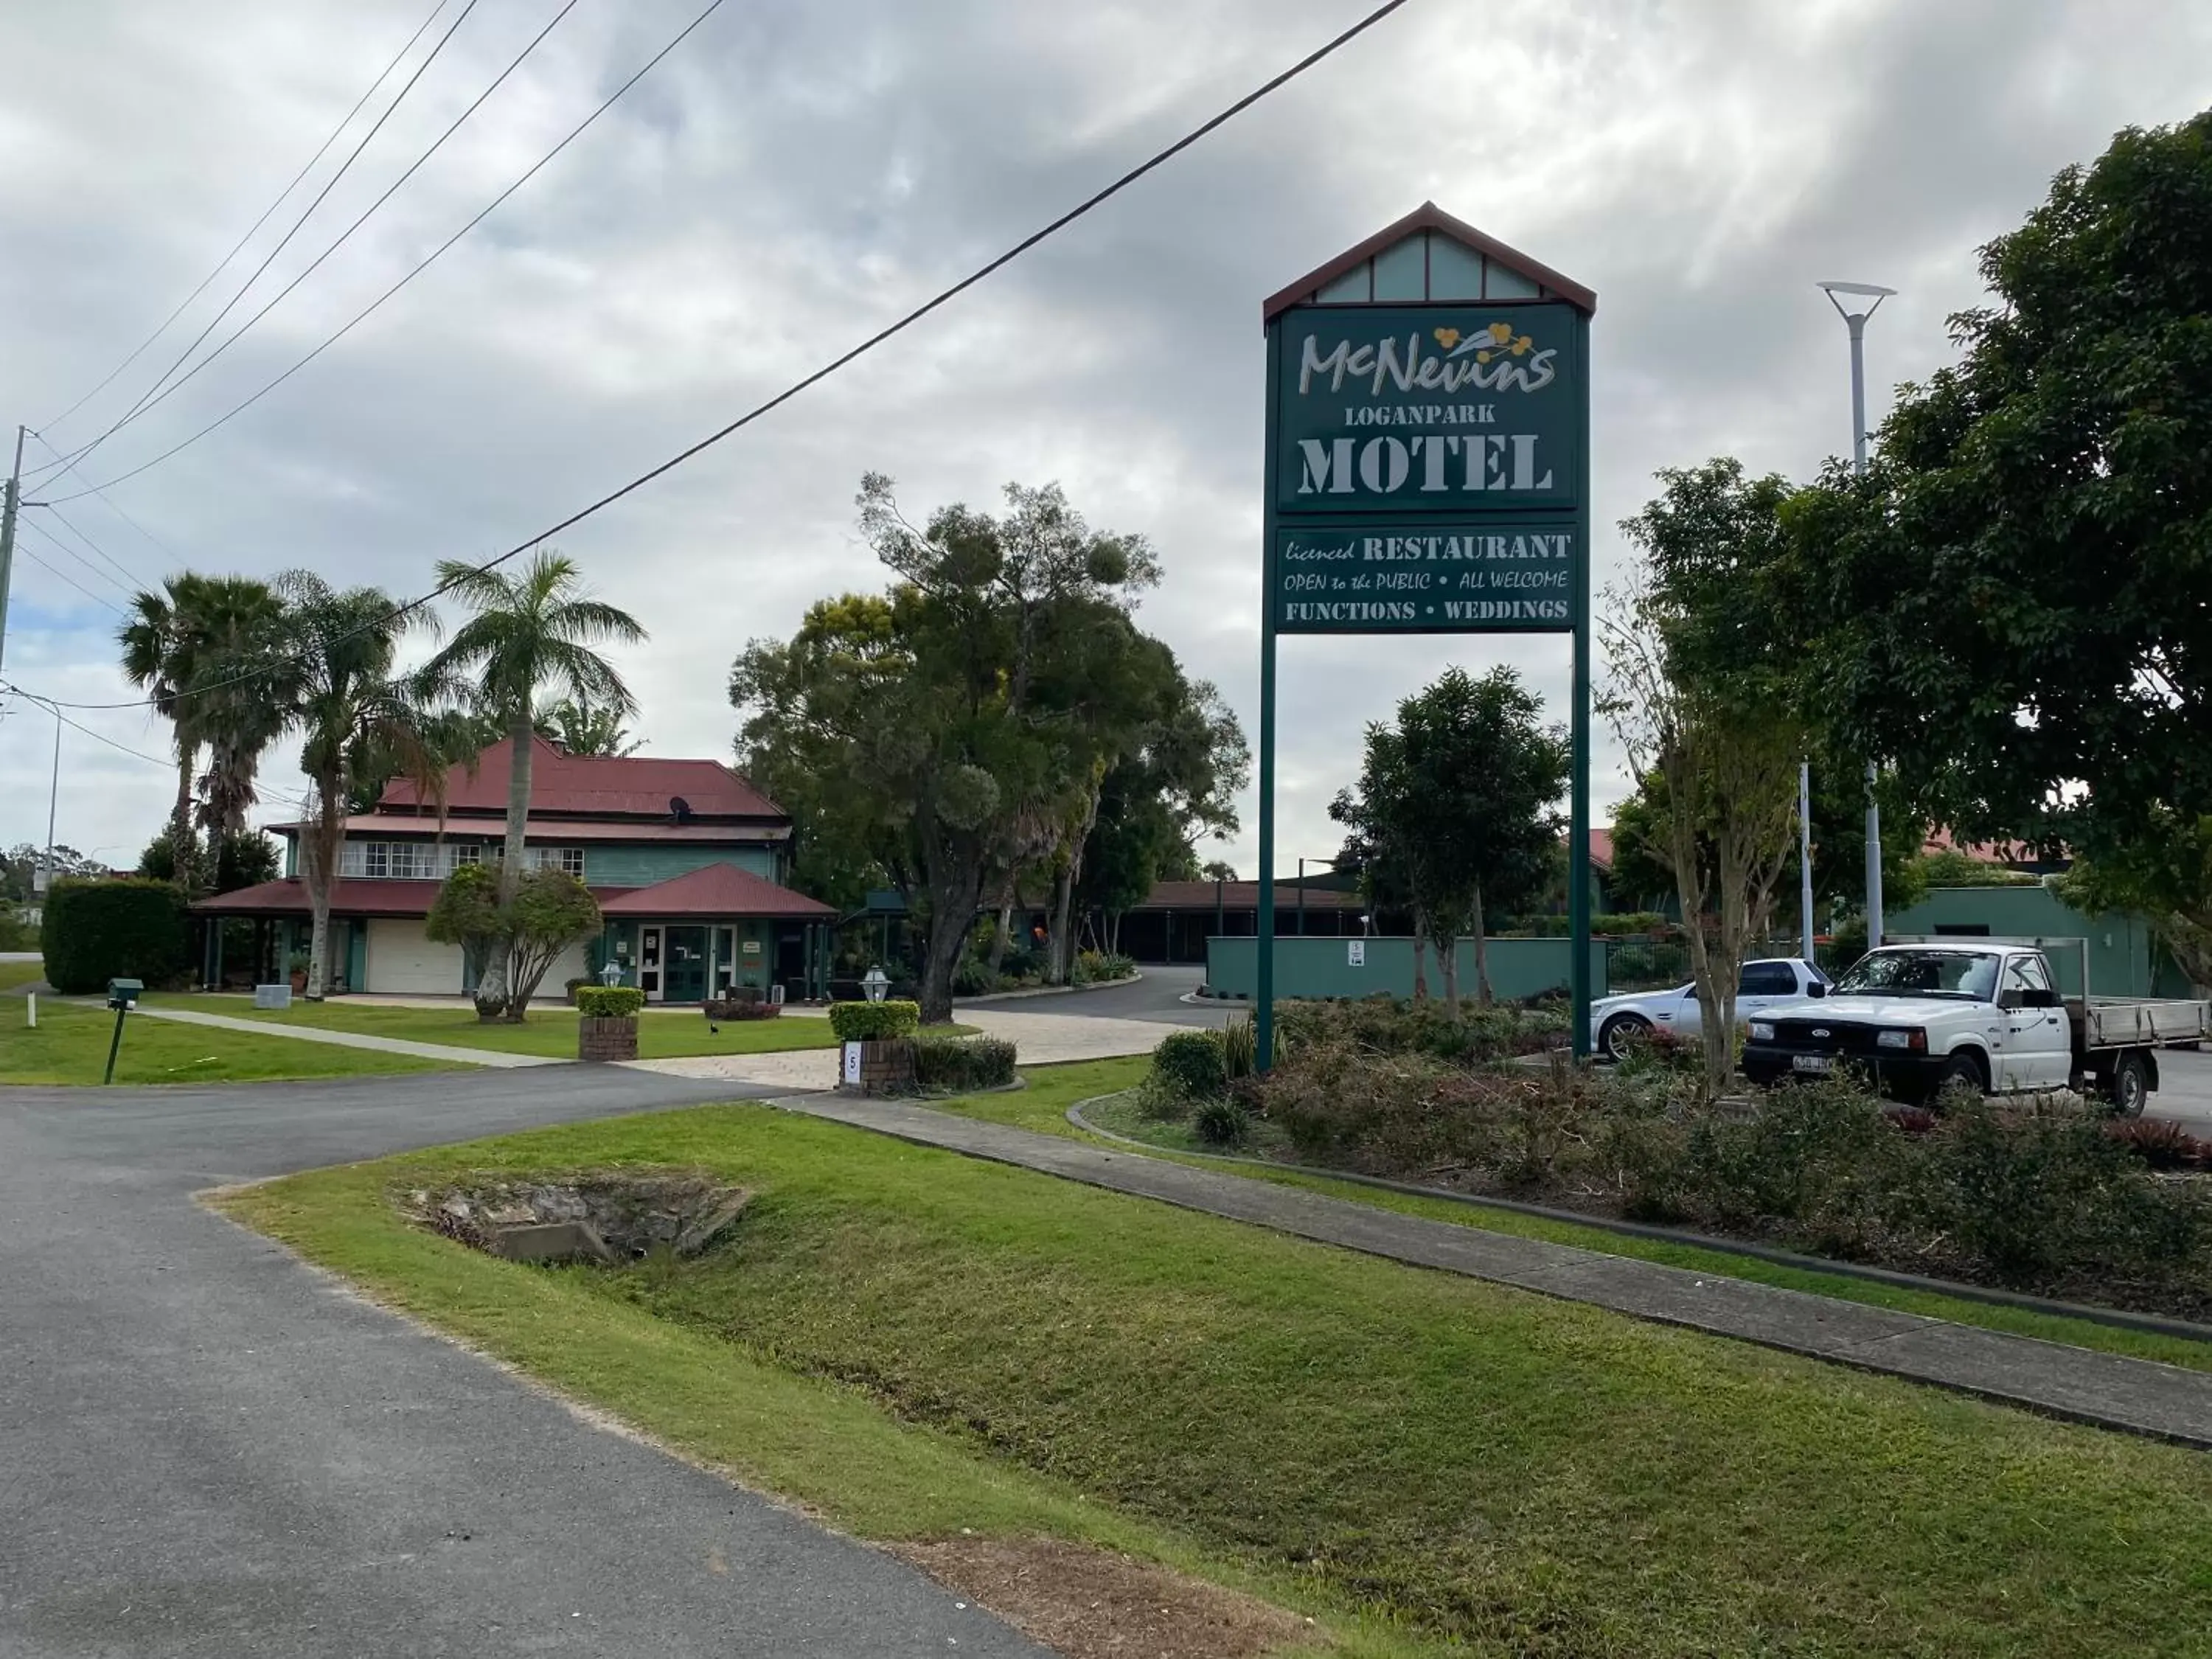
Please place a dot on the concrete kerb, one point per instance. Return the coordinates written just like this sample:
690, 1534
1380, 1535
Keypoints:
2120, 1318
2083, 1385
1048, 991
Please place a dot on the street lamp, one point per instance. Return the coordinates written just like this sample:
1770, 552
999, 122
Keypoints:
875, 982
1856, 322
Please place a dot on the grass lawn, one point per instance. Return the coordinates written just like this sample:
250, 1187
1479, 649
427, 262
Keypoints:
550, 1029
1046, 1111
914, 1344
13, 973
70, 1045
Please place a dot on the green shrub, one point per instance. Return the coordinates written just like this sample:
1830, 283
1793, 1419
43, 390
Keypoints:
1382, 1024
961, 1064
1240, 1047
742, 1003
609, 1001
128, 928
15, 933
1191, 1065
874, 1022
1226, 1122
1093, 967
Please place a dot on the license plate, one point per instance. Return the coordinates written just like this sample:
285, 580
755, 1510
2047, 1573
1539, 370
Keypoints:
1810, 1063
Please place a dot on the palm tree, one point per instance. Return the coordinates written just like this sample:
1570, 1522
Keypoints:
355, 717
243, 684
533, 630
581, 729
156, 644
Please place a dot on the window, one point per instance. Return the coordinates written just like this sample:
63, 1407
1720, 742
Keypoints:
567, 860
1766, 979
467, 852
405, 860
2025, 974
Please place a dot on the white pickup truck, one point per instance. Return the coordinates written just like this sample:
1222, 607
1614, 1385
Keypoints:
1918, 1013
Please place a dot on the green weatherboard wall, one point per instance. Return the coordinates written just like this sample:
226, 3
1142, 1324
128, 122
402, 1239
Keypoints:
1325, 968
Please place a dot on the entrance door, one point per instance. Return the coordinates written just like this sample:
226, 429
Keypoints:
686, 971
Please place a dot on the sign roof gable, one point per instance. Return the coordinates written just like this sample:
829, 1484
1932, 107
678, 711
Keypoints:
1429, 217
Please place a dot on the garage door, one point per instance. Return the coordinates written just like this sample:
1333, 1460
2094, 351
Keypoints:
401, 959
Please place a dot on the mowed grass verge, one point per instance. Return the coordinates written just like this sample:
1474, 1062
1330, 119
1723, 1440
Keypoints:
915, 1343
13, 973
70, 1046
1047, 1113
550, 1029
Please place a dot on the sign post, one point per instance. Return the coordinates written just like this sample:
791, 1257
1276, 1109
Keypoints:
1428, 472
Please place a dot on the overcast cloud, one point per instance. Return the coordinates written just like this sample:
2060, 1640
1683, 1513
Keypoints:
795, 175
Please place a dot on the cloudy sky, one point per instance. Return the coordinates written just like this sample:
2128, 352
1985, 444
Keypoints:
795, 176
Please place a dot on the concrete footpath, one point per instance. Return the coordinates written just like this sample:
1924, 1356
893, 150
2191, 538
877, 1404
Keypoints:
2139, 1396
446, 1054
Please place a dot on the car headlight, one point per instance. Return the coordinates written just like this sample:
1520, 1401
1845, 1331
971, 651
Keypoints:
1900, 1039
1762, 1030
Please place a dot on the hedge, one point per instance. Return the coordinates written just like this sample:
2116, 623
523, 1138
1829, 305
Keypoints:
98, 930
609, 1001
874, 1022
963, 1063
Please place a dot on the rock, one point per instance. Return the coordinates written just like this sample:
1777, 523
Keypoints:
551, 1240
708, 1230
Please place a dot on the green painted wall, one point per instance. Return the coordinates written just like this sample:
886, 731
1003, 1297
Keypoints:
2124, 961
643, 865
1321, 967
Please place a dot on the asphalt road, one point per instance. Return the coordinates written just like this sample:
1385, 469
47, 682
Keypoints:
1159, 996
208, 1448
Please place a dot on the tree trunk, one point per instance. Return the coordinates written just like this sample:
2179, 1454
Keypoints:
183, 849
951, 907
494, 992
1482, 996
1420, 954
1007, 895
1446, 939
1062, 966
319, 841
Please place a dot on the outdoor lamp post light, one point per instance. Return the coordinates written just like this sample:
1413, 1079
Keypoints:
611, 974
1856, 322
875, 982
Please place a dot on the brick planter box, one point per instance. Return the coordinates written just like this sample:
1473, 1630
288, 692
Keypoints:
879, 1068
607, 1039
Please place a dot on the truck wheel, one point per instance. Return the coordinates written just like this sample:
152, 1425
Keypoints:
2127, 1085
1619, 1032
1961, 1069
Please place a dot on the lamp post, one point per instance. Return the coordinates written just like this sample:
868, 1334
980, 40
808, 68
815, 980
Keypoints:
1856, 322
875, 982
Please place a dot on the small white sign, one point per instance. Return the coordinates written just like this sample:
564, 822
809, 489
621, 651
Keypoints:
1355, 953
851, 1062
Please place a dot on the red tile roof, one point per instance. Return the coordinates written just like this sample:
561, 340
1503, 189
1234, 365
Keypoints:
634, 785
547, 831
716, 890
1601, 848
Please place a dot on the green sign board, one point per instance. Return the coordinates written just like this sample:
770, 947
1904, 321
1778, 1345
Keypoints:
1426, 576
1428, 408
1427, 472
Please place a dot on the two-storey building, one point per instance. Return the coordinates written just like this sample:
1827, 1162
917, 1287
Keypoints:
685, 857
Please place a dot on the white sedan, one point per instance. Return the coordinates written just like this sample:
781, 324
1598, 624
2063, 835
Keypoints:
1615, 1022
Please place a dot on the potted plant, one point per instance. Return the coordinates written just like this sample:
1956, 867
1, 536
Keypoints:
607, 1023
298, 964
879, 1045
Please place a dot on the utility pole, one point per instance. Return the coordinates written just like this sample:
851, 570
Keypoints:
1804, 862
46, 881
1856, 322
12, 500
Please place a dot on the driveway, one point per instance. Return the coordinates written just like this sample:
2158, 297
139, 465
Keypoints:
1158, 996
210, 1449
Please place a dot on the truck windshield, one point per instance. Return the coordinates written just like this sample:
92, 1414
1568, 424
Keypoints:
1971, 974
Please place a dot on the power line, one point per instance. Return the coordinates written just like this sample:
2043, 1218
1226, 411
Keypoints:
390, 191
60, 574
429, 259
236, 247
69, 466
55, 709
1156, 159
135, 579
268, 259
